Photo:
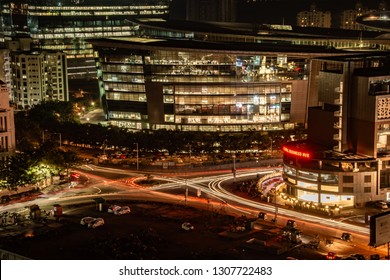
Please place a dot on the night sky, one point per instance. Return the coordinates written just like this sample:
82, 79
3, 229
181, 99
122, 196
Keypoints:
277, 11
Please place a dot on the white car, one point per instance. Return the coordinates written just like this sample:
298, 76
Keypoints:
187, 226
123, 210
97, 223
113, 208
87, 220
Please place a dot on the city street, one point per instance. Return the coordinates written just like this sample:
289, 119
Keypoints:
205, 199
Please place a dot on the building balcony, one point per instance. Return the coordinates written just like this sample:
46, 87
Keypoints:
338, 101
337, 148
337, 137
338, 113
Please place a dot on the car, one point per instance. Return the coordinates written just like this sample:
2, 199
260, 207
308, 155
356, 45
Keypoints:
381, 205
123, 210
187, 226
87, 220
96, 223
262, 216
331, 256
375, 257
291, 223
113, 208
346, 236
75, 176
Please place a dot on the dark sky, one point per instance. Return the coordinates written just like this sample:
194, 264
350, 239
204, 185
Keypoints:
275, 11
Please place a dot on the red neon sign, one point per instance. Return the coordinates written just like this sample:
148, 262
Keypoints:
296, 152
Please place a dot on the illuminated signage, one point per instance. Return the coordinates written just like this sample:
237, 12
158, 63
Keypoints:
296, 152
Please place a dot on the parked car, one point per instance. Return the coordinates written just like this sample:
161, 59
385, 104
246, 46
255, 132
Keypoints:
187, 226
113, 208
123, 210
87, 220
380, 204
96, 223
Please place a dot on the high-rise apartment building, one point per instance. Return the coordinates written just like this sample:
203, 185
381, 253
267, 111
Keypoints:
7, 125
37, 75
5, 71
314, 18
348, 17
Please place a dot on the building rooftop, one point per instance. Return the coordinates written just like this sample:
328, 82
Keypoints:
277, 46
257, 29
318, 152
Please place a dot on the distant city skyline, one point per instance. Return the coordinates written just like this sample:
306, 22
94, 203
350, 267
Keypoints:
281, 11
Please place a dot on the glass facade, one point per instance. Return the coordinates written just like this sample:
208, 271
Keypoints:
65, 25
209, 90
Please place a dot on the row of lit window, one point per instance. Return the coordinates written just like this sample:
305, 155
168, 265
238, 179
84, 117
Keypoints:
230, 89
238, 100
223, 78
109, 86
129, 125
123, 68
107, 13
95, 34
123, 78
126, 97
202, 128
95, 8
226, 119
323, 177
125, 115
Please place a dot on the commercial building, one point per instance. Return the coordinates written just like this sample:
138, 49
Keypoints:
346, 160
205, 76
194, 85
66, 24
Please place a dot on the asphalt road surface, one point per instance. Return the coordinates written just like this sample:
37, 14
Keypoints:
150, 231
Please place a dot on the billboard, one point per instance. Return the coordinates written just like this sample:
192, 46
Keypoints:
380, 229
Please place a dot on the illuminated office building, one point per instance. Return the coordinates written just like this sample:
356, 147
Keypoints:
346, 160
194, 85
215, 77
64, 25
348, 17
